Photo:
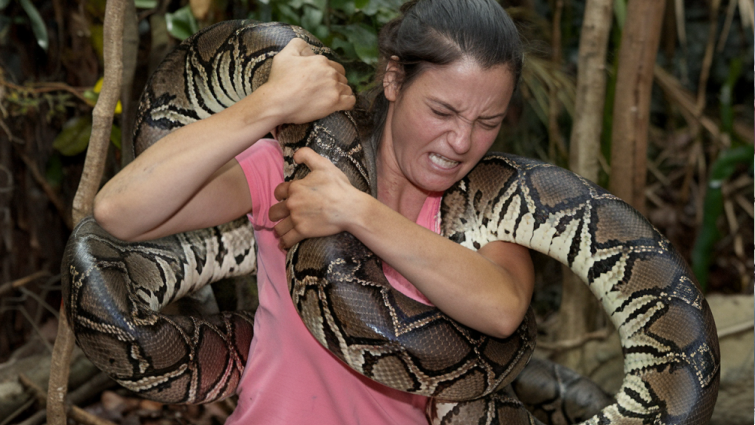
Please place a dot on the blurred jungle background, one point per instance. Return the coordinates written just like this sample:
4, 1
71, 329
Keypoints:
695, 184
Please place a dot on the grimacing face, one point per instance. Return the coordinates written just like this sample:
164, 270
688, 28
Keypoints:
440, 125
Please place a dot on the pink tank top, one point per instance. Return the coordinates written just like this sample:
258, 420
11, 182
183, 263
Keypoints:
290, 378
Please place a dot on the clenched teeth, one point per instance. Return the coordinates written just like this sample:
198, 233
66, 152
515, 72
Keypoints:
442, 161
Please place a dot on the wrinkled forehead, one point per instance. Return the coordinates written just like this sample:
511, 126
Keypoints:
464, 86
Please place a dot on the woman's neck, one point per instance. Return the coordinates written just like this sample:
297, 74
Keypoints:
394, 189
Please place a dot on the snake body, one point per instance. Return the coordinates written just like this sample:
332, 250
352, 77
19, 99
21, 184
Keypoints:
113, 290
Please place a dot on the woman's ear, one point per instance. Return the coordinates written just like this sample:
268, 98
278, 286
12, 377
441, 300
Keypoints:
392, 79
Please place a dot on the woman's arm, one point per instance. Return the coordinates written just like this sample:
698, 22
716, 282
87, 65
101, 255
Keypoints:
189, 179
488, 290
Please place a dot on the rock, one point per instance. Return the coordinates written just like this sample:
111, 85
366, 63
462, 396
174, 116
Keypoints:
735, 397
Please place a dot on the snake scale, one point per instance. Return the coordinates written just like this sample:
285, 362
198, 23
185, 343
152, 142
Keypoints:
113, 290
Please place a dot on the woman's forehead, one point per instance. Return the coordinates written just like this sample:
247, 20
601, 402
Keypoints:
464, 85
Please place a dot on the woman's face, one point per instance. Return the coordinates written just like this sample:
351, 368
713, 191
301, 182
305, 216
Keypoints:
442, 124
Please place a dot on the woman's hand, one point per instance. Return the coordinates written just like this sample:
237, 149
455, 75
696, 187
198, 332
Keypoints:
305, 86
318, 205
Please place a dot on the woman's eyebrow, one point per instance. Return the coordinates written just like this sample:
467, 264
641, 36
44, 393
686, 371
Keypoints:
454, 110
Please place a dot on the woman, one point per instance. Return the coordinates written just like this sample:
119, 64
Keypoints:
449, 68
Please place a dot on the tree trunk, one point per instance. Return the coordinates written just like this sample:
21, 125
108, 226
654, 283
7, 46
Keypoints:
584, 148
578, 306
631, 112
130, 51
94, 165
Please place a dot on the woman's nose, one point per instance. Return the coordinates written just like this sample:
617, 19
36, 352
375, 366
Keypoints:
460, 138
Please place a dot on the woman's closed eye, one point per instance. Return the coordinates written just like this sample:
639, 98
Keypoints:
489, 125
486, 124
441, 113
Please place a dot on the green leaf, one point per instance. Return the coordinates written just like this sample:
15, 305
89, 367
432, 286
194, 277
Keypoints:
74, 138
181, 23
364, 39
311, 19
345, 47
145, 4
287, 15
37, 24
359, 78
389, 7
321, 32
91, 96
361, 4
713, 206
347, 6
725, 96
4, 4
319, 4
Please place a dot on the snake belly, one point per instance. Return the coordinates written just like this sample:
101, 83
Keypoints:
340, 292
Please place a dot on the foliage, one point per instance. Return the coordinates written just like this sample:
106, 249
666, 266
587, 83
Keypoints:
35, 20
74, 137
181, 23
25, 102
349, 27
722, 170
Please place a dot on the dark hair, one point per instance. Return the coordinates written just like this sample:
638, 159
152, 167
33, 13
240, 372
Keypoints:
440, 32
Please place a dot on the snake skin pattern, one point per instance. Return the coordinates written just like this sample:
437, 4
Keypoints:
113, 290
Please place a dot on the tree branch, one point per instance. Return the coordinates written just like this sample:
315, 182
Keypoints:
8, 287
90, 181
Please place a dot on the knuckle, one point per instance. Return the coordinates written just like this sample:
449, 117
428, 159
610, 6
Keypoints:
334, 97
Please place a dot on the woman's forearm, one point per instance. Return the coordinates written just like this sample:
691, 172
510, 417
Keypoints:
163, 179
488, 290
168, 185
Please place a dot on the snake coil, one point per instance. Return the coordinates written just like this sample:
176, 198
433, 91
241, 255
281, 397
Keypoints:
113, 290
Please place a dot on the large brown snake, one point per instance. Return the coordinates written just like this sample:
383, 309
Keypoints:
113, 289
